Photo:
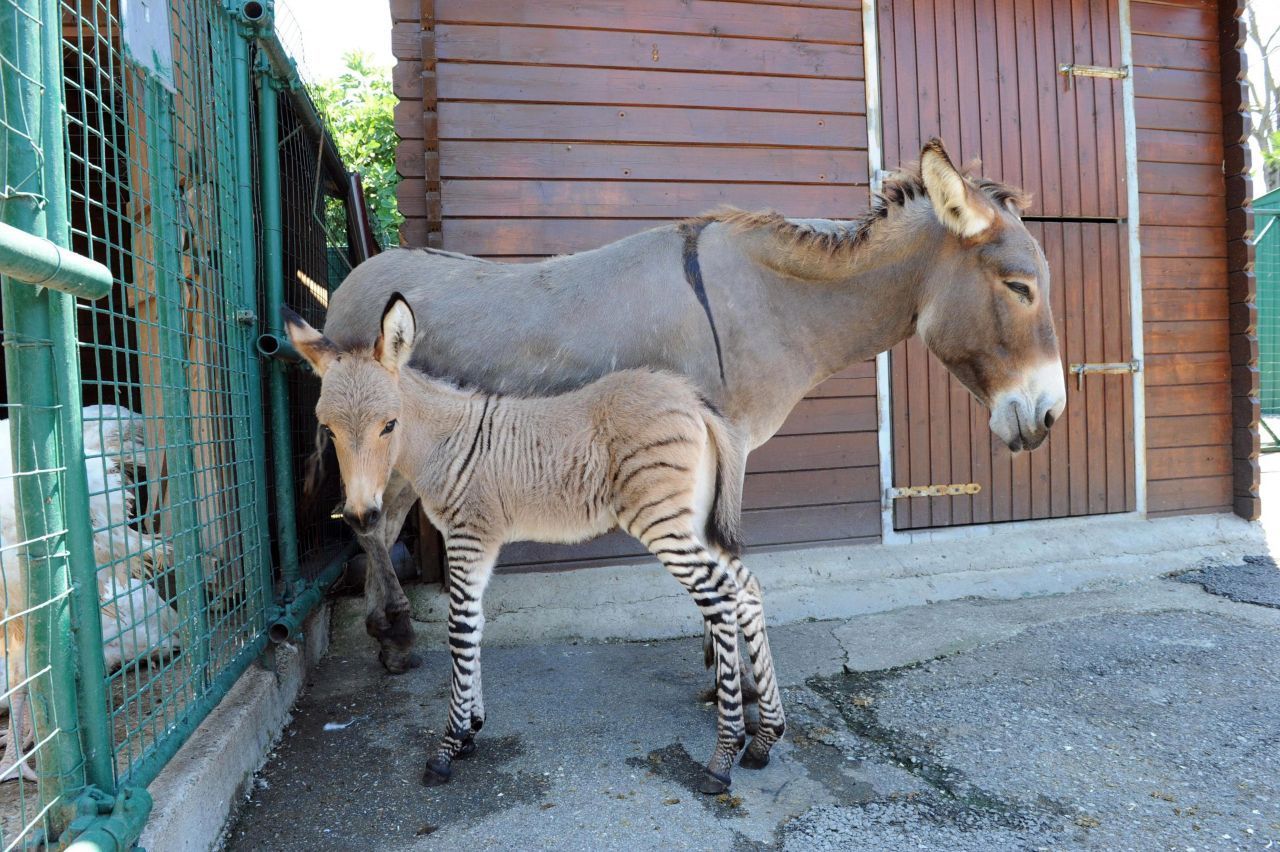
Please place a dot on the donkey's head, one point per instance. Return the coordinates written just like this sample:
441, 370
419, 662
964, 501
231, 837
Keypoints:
360, 405
984, 308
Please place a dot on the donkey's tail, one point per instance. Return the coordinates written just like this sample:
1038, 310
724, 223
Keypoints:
313, 472
724, 521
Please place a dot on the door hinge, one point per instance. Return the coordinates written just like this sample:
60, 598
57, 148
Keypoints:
1070, 71
1112, 368
934, 490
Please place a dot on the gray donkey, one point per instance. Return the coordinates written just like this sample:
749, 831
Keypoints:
754, 309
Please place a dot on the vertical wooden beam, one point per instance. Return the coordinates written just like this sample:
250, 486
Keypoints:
417, 157
1246, 409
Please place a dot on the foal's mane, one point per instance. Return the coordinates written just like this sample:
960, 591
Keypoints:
837, 243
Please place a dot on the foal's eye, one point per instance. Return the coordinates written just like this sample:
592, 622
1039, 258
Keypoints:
389, 428
326, 430
1022, 290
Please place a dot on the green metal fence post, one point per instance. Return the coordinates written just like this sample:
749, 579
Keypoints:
273, 278
242, 106
32, 100
86, 614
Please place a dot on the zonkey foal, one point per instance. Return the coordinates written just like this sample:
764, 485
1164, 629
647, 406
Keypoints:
637, 449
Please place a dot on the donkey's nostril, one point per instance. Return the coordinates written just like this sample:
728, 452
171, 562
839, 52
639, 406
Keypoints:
1048, 420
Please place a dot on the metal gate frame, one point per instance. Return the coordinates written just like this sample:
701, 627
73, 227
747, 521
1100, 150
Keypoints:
84, 795
884, 409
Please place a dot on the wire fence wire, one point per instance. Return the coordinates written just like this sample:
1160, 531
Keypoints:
167, 412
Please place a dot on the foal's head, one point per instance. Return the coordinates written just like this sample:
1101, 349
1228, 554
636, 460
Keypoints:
985, 309
360, 404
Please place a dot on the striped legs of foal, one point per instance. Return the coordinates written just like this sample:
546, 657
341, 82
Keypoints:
751, 619
470, 567
715, 591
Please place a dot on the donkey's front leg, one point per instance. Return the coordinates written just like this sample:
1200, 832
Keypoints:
471, 561
386, 607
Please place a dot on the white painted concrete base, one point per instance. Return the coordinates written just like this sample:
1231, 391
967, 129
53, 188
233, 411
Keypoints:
210, 774
1003, 561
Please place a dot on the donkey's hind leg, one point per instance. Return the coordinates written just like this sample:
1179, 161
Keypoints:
750, 613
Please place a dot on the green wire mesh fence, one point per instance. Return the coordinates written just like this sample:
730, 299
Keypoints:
141, 579
1267, 269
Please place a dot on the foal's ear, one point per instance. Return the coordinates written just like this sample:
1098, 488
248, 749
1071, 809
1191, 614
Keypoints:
395, 344
318, 350
956, 204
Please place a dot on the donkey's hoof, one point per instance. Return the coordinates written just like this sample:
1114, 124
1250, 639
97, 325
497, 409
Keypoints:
754, 761
713, 783
437, 773
467, 749
399, 662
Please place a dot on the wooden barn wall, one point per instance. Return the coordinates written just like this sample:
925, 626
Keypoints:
533, 128
1184, 256
550, 128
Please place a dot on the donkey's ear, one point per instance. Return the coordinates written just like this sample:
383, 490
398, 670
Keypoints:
956, 204
318, 350
395, 345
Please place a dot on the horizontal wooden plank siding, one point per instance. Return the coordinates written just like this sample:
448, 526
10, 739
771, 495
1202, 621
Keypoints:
566, 126
1184, 257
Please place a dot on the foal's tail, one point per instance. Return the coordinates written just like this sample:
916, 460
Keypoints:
724, 521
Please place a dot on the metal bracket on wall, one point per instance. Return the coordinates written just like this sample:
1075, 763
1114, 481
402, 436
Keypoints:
934, 490
1082, 370
1070, 71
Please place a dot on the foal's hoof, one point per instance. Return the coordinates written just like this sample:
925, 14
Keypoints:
437, 773
752, 761
399, 662
713, 783
467, 749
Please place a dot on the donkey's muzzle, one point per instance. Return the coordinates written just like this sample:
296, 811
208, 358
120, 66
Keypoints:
362, 522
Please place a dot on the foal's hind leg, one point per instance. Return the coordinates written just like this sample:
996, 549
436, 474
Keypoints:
714, 590
750, 615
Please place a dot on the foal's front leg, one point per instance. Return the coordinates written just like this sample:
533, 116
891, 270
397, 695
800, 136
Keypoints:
471, 560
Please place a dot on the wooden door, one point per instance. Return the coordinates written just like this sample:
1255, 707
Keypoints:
984, 76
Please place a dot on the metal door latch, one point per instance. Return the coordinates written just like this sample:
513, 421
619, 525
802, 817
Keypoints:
1070, 70
1082, 370
934, 490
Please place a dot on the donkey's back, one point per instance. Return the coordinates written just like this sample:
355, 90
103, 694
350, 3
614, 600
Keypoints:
537, 328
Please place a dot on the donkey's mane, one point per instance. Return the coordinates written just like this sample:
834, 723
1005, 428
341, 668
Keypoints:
903, 186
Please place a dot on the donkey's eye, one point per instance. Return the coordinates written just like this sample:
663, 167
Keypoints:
326, 430
389, 428
1022, 291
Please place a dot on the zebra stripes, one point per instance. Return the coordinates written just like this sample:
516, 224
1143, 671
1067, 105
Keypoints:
636, 449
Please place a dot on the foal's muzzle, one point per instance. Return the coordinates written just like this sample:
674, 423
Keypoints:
362, 522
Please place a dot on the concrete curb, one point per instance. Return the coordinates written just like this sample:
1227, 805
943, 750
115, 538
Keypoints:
640, 601
206, 780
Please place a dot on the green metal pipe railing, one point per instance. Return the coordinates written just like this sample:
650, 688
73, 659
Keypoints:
278, 347
34, 260
288, 619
